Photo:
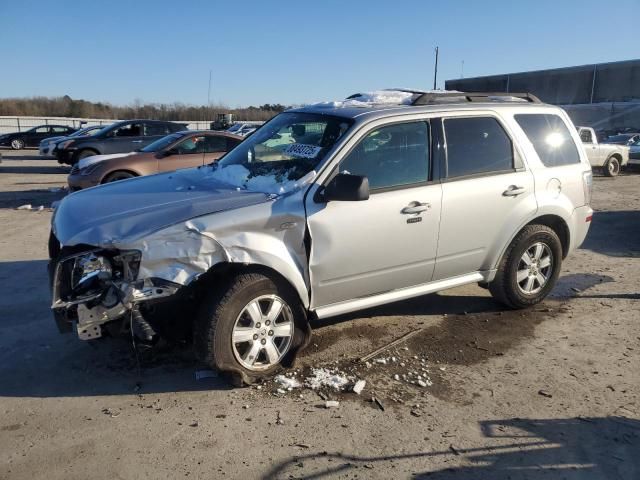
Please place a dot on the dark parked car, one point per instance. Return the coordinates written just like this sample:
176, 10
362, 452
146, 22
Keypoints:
623, 139
33, 137
120, 137
48, 145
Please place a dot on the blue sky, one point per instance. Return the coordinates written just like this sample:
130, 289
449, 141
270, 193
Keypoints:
291, 52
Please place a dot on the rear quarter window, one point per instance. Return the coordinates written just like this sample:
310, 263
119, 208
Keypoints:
550, 138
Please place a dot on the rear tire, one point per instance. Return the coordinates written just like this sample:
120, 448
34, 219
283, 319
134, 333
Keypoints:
117, 176
529, 268
611, 167
242, 330
17, 144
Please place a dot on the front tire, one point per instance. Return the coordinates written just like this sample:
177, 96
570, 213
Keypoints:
611, 167
17, 144
84, 154
529, 268
250, 328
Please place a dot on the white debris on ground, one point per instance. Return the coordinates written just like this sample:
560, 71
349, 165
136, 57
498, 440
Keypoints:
324, 377
287, 382
359, 386
30, 208
238, 176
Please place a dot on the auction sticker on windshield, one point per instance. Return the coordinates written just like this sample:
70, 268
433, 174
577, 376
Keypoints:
301, 150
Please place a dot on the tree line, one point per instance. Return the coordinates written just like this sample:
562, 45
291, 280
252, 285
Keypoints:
68, 107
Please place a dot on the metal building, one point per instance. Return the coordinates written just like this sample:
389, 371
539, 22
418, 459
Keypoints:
604, 95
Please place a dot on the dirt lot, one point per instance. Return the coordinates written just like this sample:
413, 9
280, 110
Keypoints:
553, 392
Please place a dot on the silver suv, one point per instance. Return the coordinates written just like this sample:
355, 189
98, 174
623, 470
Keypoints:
325, 210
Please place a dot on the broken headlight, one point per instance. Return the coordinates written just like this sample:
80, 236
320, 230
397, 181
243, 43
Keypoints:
90, 272
94, 275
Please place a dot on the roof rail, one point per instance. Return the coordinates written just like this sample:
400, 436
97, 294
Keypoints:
462, 97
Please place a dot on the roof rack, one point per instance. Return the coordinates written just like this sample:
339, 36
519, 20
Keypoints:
430, 98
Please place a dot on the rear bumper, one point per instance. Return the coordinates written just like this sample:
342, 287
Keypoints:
581, 221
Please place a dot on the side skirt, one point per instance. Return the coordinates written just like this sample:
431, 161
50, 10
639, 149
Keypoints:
402, 294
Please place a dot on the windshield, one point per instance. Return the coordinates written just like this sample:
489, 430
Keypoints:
235, 128
282, 154
86, 132
162, 143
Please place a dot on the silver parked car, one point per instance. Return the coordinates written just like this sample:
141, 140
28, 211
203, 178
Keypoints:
326, 210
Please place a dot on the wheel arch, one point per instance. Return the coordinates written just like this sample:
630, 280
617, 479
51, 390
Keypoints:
118, 170
227, 269
554, 220
76, 155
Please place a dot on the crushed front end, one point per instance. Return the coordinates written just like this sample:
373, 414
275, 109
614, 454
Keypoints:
94, 287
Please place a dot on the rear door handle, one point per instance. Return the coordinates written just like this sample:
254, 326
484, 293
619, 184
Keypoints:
514, 191
416, 207
136, 141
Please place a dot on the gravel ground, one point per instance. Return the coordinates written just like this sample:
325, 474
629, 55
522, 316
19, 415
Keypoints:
552, 392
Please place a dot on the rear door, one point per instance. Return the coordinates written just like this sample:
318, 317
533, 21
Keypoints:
486, 190
389, 241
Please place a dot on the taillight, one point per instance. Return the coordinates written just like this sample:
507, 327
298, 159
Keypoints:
587, 184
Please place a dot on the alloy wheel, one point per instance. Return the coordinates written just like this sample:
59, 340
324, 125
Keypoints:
534, 268
262, 333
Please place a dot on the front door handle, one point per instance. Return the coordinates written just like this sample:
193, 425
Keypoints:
416, 207
514, 191
136, 141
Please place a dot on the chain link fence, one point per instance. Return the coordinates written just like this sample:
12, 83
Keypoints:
11, 124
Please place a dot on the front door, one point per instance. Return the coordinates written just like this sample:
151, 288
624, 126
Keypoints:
193, 151
33, 138
384, 243
486, 193
124, 139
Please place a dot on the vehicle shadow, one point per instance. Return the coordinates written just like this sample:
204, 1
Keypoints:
11, 155
566, 448
34, 169
36, 197
615, 233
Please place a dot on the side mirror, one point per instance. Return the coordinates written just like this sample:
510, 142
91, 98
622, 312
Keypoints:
347, 188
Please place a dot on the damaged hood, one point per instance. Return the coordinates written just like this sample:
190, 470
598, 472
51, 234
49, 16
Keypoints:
124, 211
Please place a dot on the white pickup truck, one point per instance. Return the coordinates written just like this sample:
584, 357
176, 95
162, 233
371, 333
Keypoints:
607, 156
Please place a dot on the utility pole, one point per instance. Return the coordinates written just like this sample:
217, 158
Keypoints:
209, 96
435, 73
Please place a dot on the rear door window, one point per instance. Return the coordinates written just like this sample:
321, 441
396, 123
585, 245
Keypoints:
477, 145
391, 156
550, 137
155, 129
